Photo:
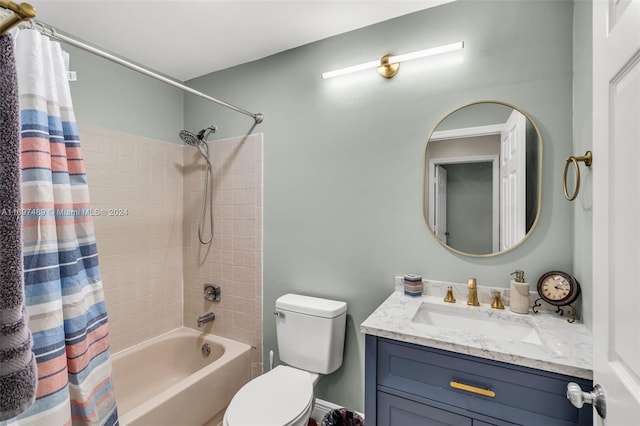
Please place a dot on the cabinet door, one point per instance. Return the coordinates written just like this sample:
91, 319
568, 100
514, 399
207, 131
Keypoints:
616, 205
396, 411
498, 423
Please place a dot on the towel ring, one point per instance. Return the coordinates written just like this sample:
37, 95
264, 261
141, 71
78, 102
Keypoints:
587, 158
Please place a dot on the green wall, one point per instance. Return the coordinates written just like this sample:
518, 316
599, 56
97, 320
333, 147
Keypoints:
110, 96
343, 165
583, 141
343, 158
470, 206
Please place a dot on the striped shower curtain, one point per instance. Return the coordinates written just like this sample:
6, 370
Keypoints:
63, 288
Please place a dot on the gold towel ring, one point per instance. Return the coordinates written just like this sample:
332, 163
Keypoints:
587, 158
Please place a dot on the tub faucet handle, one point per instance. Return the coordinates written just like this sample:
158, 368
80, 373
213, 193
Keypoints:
212, 292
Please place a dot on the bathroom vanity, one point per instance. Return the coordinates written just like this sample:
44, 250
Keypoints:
430, 362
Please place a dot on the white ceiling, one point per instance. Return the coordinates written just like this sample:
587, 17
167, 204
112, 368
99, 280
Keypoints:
187, 39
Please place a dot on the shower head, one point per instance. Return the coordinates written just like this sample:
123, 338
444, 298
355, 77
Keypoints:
195, 140
198, 140
189, 138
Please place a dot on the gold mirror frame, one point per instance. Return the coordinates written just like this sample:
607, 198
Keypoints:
425, 201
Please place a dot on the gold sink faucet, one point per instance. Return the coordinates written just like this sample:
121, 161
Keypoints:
472, 300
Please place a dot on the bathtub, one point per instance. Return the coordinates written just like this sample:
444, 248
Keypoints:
168, 381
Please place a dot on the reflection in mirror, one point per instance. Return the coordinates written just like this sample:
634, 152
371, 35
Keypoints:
483, 178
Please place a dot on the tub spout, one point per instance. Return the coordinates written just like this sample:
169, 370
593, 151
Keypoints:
209, 317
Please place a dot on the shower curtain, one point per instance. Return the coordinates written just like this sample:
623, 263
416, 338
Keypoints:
63, 287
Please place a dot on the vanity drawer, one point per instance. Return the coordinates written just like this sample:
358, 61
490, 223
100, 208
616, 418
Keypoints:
393, 410
517, 394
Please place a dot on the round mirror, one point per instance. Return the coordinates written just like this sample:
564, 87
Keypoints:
483, 174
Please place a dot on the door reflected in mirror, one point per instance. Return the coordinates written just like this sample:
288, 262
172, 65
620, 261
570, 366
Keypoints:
483, 178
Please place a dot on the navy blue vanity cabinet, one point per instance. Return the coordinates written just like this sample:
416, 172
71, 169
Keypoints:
408, 384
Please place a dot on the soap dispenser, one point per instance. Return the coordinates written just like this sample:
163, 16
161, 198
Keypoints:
519, 295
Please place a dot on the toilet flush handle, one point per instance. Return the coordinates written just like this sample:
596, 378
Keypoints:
279, 314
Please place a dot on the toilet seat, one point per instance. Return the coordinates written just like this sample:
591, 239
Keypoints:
281, 397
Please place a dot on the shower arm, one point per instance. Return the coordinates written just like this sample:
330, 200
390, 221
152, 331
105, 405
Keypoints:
258, 117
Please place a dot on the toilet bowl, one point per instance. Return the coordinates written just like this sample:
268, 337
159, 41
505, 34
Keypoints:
281, 397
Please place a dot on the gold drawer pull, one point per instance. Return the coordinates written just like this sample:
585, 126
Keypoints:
468, 388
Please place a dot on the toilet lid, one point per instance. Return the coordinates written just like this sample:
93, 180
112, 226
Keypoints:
275, 398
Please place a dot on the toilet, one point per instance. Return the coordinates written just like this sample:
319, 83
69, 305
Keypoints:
310, 333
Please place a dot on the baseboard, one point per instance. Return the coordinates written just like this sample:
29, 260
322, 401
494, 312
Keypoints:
322, 407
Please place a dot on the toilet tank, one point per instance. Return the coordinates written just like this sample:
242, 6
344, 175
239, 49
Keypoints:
311, 332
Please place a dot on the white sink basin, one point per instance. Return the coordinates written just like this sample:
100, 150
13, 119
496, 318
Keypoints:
480, 323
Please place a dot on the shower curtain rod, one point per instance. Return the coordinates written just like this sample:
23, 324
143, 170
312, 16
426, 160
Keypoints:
41, 27
16, 14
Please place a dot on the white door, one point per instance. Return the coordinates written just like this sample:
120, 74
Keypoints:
616, 210
513, 180
439, 225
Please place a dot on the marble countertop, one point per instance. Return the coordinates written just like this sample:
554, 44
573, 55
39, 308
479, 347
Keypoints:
566, 348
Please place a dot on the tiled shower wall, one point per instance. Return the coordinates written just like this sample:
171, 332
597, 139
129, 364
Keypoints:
234, 258
136, 185
153, 266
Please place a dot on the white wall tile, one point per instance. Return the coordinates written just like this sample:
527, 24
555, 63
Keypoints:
141, 252
153, 265
231, 261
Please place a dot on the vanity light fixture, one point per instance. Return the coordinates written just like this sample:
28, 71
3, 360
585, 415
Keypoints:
389, 65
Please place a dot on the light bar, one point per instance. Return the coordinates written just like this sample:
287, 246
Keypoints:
427, 52
389, 65
351, 69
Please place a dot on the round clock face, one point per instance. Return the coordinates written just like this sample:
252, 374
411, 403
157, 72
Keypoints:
558, 288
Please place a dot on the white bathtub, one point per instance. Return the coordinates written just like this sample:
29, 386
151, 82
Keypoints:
168, 381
